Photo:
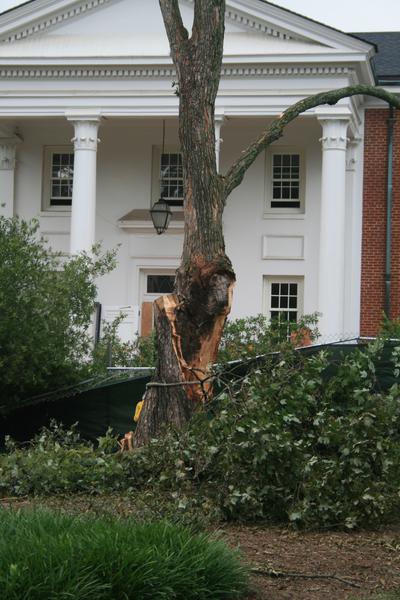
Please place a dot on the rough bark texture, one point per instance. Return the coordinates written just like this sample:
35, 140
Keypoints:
189, 323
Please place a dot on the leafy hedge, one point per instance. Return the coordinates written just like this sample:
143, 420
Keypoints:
50, 555
287, 443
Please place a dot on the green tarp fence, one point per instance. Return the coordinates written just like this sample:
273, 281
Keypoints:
112, 403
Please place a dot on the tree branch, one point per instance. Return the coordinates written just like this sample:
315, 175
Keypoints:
269, 572
176, 32
237, 171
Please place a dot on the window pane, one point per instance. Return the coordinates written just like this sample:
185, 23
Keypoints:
160, 284
284, 289
275, 289
274, 301
277, 191
293, 289
293, 302
55, 190
284, 302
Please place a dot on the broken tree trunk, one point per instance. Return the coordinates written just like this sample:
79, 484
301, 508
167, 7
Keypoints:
189, 323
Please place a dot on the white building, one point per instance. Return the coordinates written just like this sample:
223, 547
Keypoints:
73, 71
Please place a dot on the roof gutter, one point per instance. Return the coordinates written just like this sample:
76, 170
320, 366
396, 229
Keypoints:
389, 201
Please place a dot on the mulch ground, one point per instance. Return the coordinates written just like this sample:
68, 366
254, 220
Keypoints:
316, 566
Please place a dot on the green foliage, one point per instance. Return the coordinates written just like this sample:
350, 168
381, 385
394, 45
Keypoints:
291, 444
294, 441
253, 336
390, 328
111, 351
58, 461
46, 306
50, 555
241, 339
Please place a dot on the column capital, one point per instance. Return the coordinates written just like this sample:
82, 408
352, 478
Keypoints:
334, 133
85, 129
8, 151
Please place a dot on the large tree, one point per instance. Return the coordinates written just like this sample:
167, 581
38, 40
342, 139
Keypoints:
189, 323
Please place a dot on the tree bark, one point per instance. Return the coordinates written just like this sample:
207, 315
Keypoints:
189, 323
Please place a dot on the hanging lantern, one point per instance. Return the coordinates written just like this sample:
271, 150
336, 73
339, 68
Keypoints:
161, 212
161, 216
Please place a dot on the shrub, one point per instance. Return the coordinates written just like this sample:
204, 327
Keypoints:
47, 555
294, 441
46, 306
253, 336
291, 444
112, 351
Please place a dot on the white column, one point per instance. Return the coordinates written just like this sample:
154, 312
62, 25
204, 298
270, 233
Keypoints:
8, 150
218, 122
352, 289
83, 213
332, 228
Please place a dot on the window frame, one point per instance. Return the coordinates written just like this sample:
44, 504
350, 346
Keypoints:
267, 292
269, 180
156, 173
48, 152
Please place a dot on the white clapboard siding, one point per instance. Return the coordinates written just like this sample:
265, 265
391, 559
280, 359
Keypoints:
128, 328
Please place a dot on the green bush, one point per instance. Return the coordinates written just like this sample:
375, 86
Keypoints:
47, 555
253, 336
294, 441
292, 445
46, 307
57, 461
112, 351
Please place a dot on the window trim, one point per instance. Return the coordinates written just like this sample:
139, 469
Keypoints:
155, 172
268, 280
48, 152
268, 187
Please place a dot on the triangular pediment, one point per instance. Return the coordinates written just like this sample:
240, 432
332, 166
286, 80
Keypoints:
112, 28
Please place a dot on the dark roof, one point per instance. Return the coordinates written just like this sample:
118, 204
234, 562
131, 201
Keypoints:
387, 59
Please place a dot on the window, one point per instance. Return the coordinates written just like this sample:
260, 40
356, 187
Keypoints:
167, 176
154, 282
284, 298
284, 181
160, 284
58, 178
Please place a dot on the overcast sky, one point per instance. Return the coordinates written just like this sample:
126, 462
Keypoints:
347, 15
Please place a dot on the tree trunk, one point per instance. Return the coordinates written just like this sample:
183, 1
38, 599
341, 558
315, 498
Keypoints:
189, 323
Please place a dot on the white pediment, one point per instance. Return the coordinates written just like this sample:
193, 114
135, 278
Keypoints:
134, 28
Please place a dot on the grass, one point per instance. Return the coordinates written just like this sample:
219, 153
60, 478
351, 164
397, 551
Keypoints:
59, 557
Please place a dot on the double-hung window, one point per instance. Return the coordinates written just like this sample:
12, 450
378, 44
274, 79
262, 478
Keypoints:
284, 298
285, 182
167, 180
58, 177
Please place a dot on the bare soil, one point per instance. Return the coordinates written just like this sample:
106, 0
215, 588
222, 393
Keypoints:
316, 566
